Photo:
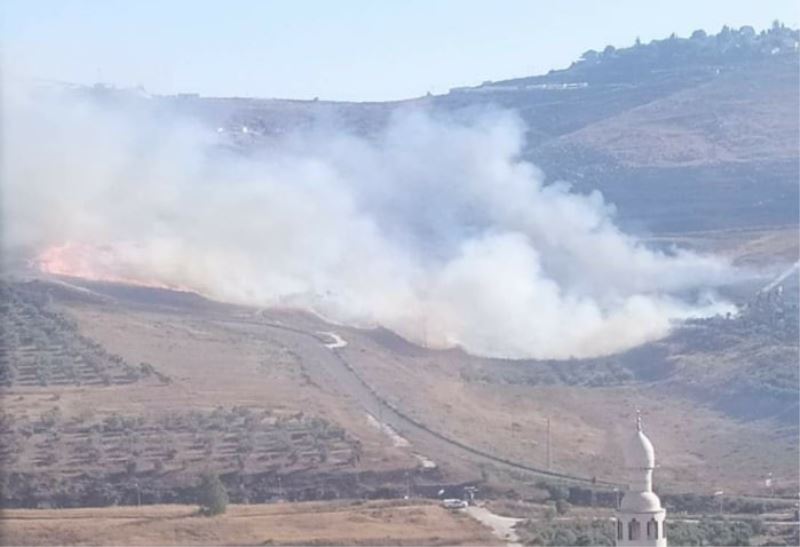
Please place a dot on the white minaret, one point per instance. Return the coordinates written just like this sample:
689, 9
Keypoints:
640, 517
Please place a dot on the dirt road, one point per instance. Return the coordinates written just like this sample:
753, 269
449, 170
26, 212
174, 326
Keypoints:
502, 527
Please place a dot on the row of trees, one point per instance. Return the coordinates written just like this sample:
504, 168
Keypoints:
132, 487
561, 497
42, 345
248, 443
700, 51
572, 532
601, 532
728, 44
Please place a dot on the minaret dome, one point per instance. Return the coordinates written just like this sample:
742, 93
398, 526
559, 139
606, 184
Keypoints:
640, 518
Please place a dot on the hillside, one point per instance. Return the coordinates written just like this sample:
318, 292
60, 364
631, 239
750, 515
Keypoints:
739, 116
120, 394
280, 409
680, 134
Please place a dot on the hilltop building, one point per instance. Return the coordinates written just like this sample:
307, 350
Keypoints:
640, 517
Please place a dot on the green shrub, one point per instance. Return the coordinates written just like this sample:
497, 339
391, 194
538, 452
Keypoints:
573, 532
212, 496
709, 532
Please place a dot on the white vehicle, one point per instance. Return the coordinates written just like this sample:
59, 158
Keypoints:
454, 503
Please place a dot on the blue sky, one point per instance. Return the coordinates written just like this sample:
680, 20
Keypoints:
338, 49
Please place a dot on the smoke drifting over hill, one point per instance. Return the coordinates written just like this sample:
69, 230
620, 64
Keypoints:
434, 228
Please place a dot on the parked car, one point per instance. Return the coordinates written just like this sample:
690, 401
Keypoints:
454, 503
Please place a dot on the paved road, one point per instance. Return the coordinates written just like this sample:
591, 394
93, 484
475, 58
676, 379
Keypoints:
781, 278
336, 340
326, 362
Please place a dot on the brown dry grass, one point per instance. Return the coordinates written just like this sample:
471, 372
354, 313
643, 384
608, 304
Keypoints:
697, 448
217, 363
337, 523
730, 119
211, 363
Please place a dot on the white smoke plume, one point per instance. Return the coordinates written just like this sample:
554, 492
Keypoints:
433, 228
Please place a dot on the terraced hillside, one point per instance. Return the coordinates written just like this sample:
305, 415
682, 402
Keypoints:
81, 425
41, 347
94, 460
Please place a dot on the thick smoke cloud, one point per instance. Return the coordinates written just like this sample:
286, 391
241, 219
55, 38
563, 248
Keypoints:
433, 228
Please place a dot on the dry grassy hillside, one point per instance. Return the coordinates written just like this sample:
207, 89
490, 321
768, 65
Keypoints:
740, 116
105, 402
260, 397
503, 408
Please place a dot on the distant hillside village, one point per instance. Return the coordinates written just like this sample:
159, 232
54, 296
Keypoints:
728, 47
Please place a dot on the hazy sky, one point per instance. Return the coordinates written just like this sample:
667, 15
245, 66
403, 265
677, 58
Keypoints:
339, 49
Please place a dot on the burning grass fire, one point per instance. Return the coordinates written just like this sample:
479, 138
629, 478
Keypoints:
434, 221
94, 263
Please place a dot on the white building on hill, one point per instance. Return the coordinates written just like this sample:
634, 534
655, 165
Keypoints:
640, 517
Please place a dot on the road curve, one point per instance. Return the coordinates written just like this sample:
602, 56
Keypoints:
339, 370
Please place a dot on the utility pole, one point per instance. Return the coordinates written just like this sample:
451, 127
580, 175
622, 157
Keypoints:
721, 495
549, 455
